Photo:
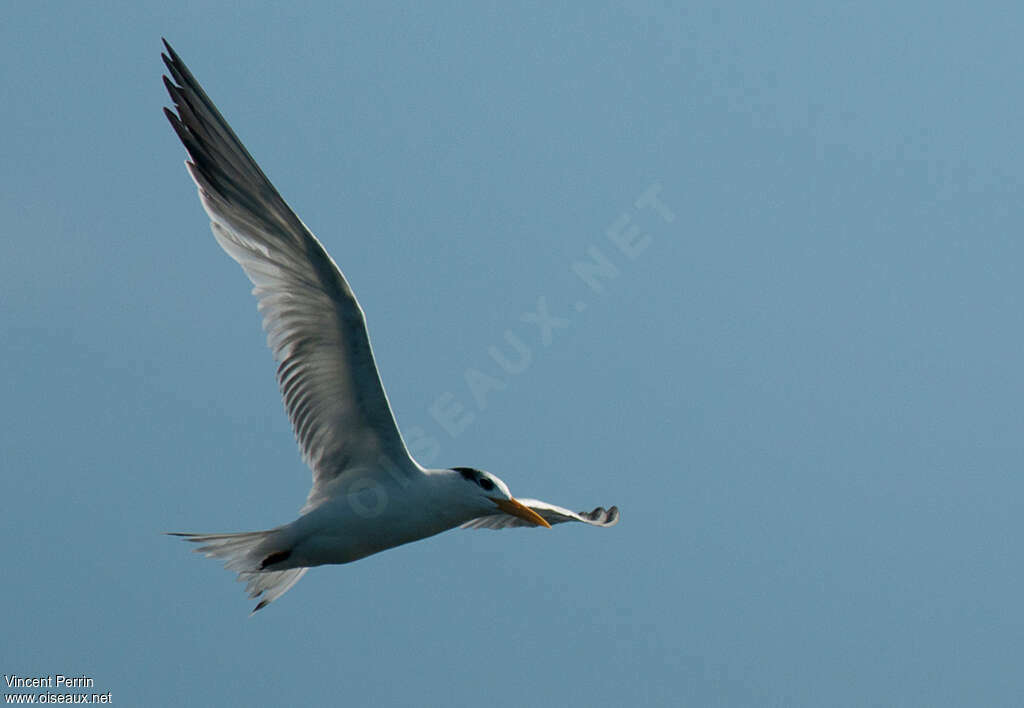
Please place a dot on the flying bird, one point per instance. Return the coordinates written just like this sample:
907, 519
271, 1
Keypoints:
368, 493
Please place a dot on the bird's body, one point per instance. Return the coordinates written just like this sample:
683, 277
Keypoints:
357, 524
368, 493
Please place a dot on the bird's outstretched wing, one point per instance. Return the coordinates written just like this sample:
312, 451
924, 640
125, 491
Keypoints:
315, 327
551, 513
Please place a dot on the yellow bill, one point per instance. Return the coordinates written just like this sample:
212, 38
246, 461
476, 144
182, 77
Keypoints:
515, 508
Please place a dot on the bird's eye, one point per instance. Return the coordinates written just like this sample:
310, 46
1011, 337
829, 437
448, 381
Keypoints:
486, 484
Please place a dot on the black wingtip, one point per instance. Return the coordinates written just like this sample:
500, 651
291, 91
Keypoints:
169, 63
168, 55
179, 72
177, 125
602, 517
170, 50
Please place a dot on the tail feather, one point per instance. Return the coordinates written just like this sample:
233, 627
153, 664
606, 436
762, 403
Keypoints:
248, 554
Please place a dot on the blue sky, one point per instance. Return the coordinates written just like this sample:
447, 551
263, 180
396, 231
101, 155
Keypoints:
803, 390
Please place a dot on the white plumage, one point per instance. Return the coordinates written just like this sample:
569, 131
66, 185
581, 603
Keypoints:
368, 493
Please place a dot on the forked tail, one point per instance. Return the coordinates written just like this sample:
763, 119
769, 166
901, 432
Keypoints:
251, 554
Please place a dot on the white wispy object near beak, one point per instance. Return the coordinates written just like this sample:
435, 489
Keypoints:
368, 493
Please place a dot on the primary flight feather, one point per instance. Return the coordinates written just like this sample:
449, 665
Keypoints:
368, 493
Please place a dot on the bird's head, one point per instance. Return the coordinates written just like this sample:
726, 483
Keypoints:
492, 492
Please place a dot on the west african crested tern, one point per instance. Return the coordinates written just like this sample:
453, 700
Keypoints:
368, 493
